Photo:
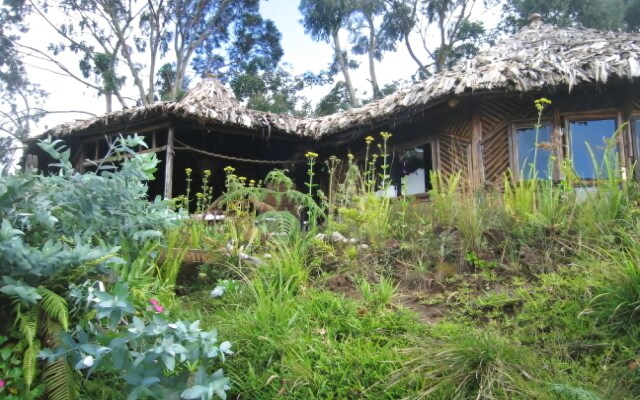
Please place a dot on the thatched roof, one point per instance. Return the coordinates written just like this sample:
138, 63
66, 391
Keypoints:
538, 56
209, 102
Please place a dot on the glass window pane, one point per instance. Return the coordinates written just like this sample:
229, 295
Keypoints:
636, 131
412, 170
588, 144
415, 182
534, 151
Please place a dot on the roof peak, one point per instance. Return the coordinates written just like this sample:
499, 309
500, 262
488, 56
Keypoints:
212, 93
535, 20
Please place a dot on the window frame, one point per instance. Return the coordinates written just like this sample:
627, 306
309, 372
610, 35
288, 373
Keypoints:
435, 157
513, 143
635, 142
586, 117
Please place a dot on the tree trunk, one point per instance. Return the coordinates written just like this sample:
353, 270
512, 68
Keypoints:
109, 98
443, 51
372, 58
344, 66
423, 70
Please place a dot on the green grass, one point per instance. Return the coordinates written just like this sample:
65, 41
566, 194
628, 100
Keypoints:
543, 300
568, 333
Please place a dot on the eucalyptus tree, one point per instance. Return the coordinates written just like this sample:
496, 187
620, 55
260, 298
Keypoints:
599, 14
444, 30
274, 91
374, 30
323, 20
19, 98
122, 41
336, 100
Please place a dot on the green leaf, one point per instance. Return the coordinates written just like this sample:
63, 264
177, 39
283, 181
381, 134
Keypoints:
29, 362
55, 307
6, 352
20, 290
169, 362
28, 325
195, 392
61, 381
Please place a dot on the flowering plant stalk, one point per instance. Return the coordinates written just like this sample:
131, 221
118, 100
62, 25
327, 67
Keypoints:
384, 176
332, 166
187, 200
311, 161
368, 166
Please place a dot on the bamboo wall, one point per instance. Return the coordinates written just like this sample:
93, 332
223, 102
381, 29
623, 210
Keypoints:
454, 140
497, 116
474, 136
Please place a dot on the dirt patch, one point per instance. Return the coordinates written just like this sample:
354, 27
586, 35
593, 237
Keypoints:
343, 284
428, 313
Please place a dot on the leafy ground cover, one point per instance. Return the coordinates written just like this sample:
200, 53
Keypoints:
527, 292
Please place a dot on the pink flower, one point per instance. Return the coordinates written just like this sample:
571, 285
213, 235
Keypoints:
2, 383
155, 306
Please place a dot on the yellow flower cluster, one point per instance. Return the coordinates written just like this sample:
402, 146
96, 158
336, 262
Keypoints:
368, 139
229, 169
188, 171
385, 135
541, 103
311, 155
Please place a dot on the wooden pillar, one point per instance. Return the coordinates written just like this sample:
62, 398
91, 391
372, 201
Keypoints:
626, 141
168, 166
31, 162
80, 158
477, 167
556, 139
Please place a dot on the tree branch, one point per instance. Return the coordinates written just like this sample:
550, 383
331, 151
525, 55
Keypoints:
46, 57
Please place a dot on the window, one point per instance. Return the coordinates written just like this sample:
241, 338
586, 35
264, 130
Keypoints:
593, 148
636, 133
413, 168
533, 151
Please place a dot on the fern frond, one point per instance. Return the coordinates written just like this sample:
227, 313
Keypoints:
61, 381
28, 324
55, 306
279, 221
29, 362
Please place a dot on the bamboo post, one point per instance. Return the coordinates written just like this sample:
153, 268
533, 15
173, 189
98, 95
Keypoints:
477, 169
556, 139
80, 159
168, 167
627, 141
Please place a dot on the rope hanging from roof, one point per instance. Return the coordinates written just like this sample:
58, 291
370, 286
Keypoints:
186, 147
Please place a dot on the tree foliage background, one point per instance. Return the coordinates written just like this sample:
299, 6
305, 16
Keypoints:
141, 51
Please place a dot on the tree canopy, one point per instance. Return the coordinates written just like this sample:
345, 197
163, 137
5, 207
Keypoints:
153, 44
322, 20
19, 98
598, 14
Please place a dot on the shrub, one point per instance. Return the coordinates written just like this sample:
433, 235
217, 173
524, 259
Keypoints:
158, 358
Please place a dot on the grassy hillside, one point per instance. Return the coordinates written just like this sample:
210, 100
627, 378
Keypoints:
526, 291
